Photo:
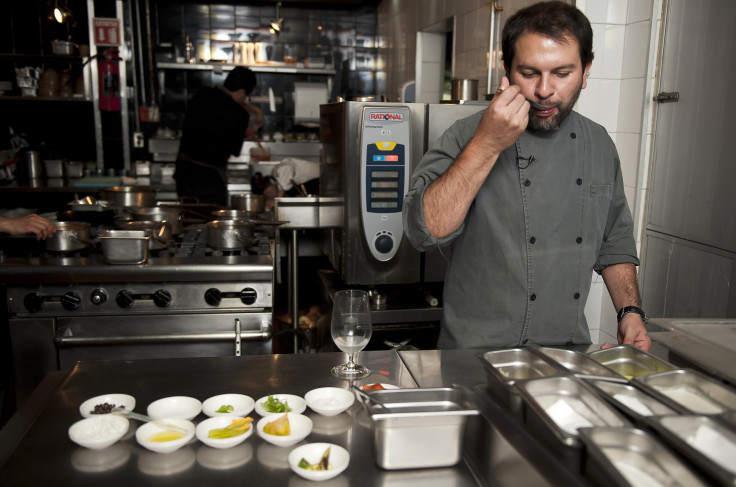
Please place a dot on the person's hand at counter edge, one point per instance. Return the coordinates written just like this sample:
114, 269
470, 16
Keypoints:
29, 224
632, 331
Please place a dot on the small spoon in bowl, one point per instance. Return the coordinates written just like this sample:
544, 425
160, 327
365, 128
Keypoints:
147, 419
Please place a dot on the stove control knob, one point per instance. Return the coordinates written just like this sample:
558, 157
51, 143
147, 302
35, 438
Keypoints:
213, 296
384, 244
71, 301
98, 296
33, 302
125, 299
161, 298
248, 295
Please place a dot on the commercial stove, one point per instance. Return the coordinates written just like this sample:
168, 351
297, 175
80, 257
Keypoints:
185, 301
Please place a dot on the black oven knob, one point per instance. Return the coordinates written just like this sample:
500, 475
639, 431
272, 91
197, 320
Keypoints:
33, 302
98, 296
161, 298
213, 296
384, 244
125, 299
248, 296
71, 301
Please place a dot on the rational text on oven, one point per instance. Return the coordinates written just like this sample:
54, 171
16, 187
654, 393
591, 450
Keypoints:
386, 117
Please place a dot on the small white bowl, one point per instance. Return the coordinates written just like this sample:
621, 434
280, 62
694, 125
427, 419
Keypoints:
329, 401
312, 453
175, 407
99, 431
147, 430
241, 403
300, 426
296, 404
203, 430
118, 400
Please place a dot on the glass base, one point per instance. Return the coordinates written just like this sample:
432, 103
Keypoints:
343, 371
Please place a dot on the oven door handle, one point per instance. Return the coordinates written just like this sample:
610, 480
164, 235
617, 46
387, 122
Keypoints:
225, 336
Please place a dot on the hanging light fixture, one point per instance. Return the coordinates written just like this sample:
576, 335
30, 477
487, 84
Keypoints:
278, 23
61, 13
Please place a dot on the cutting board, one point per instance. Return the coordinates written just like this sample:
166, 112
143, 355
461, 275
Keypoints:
98, 181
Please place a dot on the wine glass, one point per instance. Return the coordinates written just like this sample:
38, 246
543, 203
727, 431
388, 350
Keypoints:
351, 330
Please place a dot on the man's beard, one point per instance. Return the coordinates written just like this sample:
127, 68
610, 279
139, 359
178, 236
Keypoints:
547, 124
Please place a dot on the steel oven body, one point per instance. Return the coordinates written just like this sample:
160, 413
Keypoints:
168, 308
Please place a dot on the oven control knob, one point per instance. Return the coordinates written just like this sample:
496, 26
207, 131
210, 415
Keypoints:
213, 296
71, 301
124, 299
33, 302
384, 244
161, 298
98, 296
248, 295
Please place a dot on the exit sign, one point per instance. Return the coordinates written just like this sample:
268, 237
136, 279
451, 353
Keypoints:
107, 31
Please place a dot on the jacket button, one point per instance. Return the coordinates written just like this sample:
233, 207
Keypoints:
579, 240
579, 181
527, 183
577, 296
532, 240
533, 297
573, 135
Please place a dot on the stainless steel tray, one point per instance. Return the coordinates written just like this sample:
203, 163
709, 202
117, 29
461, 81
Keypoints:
419, 428
703, 441
630, 361
556, 408
628, 456
579, 364
633, 402
506, 368
125, 246
688, 390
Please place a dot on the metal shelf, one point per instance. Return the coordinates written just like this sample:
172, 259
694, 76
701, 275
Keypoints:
258, 68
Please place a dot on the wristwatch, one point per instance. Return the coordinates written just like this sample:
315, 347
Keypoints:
631, 309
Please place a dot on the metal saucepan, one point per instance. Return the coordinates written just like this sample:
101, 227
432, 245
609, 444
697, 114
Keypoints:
241, 215
69, 237
129, 196
229, 235
160, 214
161, 236
248, 202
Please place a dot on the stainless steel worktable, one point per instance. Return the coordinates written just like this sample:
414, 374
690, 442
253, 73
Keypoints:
35, 448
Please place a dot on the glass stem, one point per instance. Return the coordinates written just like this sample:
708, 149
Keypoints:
351, 364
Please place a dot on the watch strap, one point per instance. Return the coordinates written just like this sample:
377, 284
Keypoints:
631, 309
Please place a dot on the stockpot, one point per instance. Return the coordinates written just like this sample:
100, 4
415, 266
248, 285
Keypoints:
69, 237
241, 215
229, 235
247, 201
129, 196
160, 214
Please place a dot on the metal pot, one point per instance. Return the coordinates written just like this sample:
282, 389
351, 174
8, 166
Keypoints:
161, 236
69, 237
229, 235
241, 215
129, 196
247, 201
63, 48
160, 214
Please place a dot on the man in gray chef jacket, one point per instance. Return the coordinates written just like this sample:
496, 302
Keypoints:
532, 199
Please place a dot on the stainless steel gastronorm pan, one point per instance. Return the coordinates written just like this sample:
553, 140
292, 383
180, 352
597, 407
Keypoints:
505, 368
690, 391
125, 246
633, 402
419, 428
704, 441
630, 361
579, 364
627, 456
556, 407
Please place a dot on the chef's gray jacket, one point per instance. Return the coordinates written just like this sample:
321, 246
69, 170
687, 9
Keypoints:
551, 211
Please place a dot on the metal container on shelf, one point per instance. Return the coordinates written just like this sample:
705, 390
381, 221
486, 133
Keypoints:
309, 211
689, 390
54, 168
419, 428
621, 457
579, 364
630, 361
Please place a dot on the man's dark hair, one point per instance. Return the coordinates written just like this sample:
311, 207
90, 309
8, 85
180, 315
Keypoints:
241, 78
555, 20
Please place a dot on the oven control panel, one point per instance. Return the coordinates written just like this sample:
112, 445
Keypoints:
384, 177
144, 298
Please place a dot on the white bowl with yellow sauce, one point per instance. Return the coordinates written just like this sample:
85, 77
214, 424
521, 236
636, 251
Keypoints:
159, 438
